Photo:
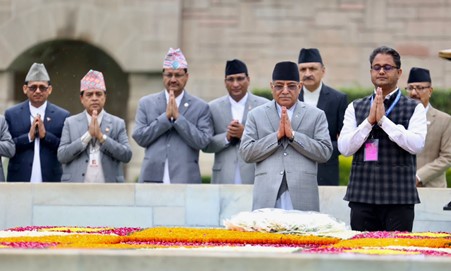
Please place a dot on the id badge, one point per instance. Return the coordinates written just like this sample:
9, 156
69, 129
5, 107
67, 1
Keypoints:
371, 150
93, 163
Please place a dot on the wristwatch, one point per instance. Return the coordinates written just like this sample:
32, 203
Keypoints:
292, 136
103, 138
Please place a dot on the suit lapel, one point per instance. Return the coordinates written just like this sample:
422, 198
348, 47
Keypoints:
82, 123
323, 98
185, 103
82, 127
161, 102
430, 116
107, 124
273, 116
226, 110
298, 115
250, 103
25, 112
49, 114
301, 95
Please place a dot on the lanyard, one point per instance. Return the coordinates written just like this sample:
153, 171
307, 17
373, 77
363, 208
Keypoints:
398, 97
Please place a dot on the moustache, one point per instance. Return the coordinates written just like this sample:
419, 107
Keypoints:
307, 78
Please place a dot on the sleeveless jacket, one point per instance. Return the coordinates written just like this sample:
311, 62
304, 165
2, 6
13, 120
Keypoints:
391, 179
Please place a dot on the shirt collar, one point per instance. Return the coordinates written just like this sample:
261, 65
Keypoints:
289, 111
99, 116
241, 102
390, 94
316, 91
38, 110
178, 99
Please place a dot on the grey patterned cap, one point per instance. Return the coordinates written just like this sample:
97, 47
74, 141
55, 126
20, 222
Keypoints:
37, 72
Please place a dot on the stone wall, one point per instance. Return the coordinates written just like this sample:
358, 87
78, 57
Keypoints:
263, 32
138, 33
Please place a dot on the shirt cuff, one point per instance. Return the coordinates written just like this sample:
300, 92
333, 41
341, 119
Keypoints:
381, 121
86, 138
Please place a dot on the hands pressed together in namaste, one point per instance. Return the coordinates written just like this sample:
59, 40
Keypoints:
285, 129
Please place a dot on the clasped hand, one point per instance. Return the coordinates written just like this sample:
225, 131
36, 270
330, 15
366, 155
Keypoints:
285, 129
37, 128
172, 111
377, 110
234, 130
94, 127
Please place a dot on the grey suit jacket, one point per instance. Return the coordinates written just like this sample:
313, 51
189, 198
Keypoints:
435, 158
7, 146
113, 152
179, 141
297, 160
227, 155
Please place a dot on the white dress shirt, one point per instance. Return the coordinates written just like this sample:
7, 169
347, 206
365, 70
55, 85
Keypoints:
237, 109
312, 97
178, 100
36, 173
412, 140
94, 172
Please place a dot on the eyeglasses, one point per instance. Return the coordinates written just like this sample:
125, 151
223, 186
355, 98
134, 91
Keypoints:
290, 86
238, 79
386, 67
96, 93
41, 88
417, 88
176, 75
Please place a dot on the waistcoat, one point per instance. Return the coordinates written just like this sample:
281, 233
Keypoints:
391, 179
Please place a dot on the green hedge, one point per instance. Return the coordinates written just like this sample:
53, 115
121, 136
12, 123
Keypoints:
440, 99
263, 92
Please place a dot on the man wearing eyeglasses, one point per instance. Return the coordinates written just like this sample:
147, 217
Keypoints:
35, 126
94, 144
435, 158
383, 131
229, 114
172, 126
331, 101
286, 138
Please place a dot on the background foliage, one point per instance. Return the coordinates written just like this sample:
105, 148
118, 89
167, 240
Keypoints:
440, 98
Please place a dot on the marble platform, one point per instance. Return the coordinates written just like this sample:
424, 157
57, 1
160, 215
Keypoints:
144, 205
148, 205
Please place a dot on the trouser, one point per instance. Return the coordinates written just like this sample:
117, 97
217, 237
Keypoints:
383, 217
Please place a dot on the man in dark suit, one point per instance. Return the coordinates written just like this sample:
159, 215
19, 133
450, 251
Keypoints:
331, 101
35, 126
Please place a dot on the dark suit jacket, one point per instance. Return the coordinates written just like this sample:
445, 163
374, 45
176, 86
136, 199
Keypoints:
20, 165
334, 104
